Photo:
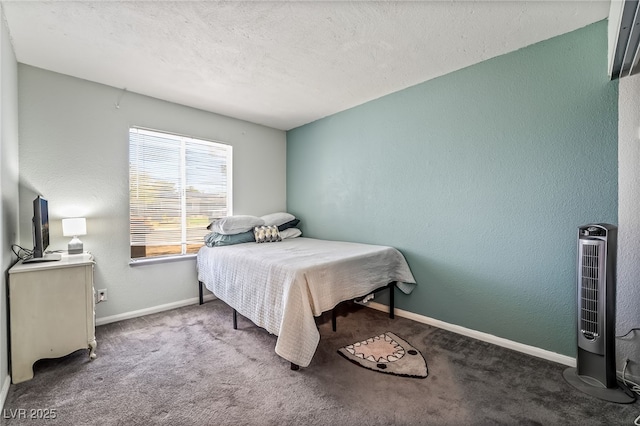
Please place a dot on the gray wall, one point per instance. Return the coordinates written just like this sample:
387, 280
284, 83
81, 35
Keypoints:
481, 178
628, 294
74, 150
9, 184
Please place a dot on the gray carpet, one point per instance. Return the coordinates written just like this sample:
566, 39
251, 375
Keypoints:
189, 367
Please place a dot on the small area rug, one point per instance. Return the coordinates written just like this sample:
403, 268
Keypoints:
387, 353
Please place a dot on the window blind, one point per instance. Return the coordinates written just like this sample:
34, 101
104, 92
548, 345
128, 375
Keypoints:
177, 186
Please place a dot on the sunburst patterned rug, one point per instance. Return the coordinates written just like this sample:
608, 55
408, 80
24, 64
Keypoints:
387, 353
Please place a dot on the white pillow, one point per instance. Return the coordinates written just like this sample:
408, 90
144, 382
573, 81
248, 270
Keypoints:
277, 219
231, 225
290, 233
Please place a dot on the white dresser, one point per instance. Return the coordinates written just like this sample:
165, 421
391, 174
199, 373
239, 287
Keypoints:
52, 311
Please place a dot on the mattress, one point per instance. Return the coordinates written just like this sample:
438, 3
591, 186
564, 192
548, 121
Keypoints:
281, 286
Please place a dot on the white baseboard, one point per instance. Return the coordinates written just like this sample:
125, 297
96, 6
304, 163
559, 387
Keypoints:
152, 310
489, 338
485, 337
5, 390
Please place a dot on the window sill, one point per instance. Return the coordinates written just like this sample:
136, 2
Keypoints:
143, 261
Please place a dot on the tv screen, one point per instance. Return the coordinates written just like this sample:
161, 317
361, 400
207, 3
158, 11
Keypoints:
40, 226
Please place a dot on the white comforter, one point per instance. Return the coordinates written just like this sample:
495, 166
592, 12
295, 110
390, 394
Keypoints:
281, 286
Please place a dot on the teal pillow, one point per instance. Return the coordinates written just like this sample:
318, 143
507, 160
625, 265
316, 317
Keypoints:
291, 224
216, 240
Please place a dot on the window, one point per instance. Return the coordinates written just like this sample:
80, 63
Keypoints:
177, 186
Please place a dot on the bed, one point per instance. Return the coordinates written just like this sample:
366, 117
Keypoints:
282, 286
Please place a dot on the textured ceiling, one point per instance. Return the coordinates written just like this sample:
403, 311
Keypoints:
282, 64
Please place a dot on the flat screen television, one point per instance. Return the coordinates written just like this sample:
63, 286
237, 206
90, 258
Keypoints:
40, 226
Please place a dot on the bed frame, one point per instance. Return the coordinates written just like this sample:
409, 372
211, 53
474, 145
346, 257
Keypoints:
391, 286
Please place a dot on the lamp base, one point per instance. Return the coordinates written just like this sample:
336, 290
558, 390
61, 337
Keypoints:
75, 246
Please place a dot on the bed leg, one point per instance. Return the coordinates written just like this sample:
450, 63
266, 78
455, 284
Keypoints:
200, 292
295, 367
392, 288
333, 319
235, 319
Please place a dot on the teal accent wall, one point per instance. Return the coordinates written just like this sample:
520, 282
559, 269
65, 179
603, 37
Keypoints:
480, 178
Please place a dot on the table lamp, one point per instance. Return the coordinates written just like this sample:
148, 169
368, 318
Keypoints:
72, 227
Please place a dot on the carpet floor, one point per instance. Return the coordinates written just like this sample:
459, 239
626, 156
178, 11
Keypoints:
188, 366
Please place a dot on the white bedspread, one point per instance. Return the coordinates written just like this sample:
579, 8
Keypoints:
281, 286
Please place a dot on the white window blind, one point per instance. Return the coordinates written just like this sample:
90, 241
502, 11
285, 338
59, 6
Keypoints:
177, 186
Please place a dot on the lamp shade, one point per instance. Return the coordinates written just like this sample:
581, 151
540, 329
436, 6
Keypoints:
74, 226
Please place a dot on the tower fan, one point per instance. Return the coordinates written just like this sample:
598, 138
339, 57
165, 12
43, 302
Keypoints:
595, 373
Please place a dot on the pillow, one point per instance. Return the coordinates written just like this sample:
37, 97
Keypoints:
291, 224
290, 233
277, 218
216, 240
231, 225
266, 234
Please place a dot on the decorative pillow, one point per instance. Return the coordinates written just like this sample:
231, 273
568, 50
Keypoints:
216, 240
290, 233
266, 234
231, 225
277, 218
291, 224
